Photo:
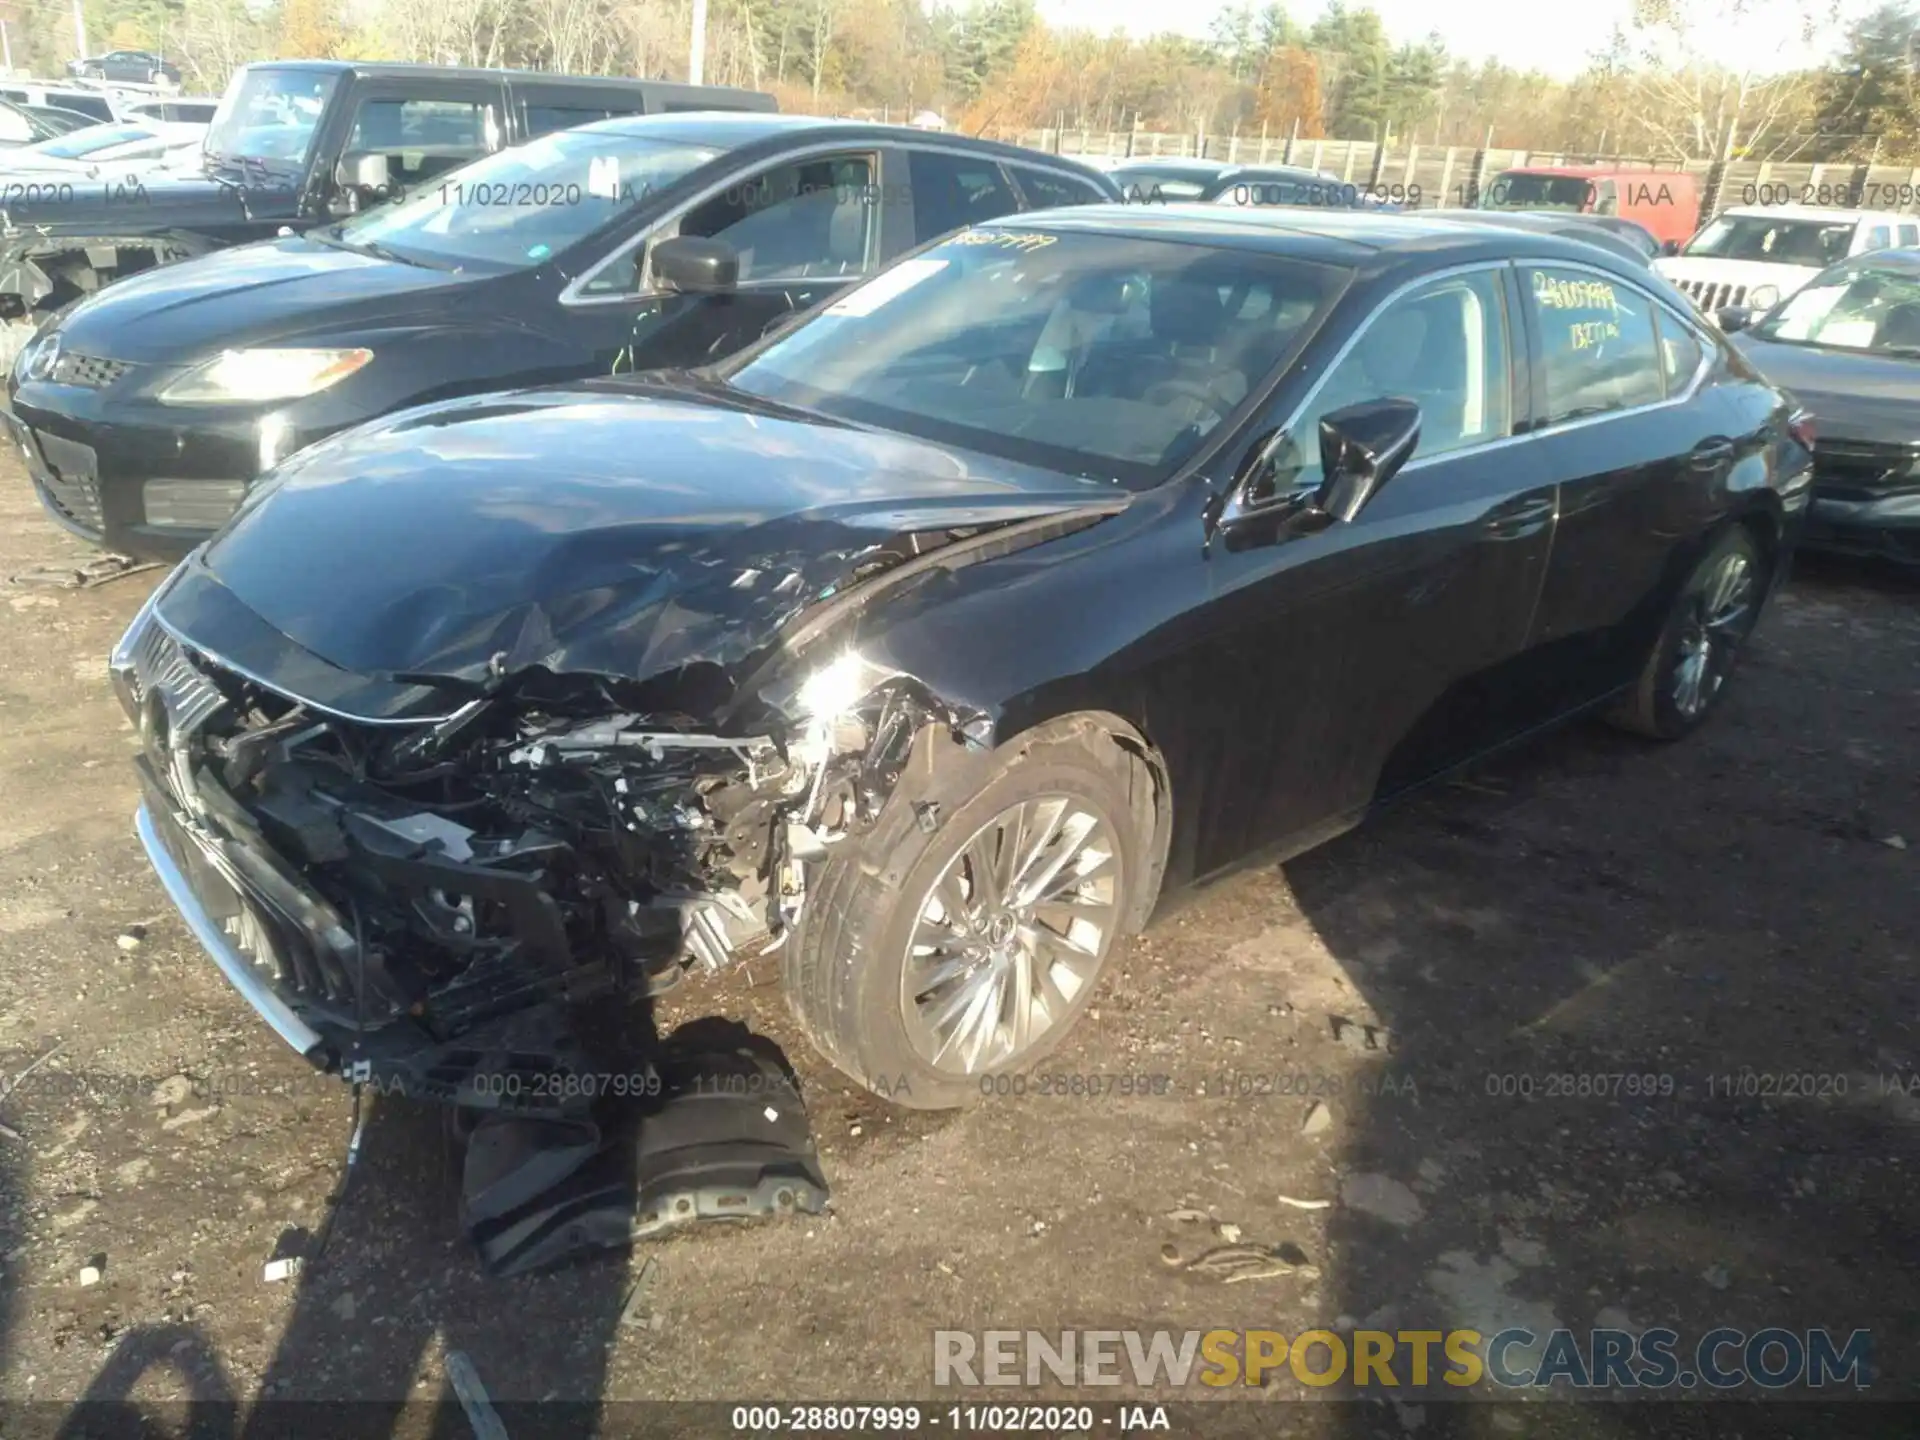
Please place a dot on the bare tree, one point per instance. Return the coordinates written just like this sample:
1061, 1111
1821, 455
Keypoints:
1671, 59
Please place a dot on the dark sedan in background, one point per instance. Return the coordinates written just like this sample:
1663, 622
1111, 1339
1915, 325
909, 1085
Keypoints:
1848, 347
135, 67
935, 639
1155, 180
1294, 186
146, 410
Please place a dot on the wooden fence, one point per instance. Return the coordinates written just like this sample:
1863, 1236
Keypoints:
1425, 176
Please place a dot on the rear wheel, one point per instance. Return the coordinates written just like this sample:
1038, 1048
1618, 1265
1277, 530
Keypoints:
978, 961
1687, 671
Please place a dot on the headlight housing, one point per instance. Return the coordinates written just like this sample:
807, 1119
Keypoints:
1763, 297
239, 377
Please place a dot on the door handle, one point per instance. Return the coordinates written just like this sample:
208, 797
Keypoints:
1521, 519
1711, 454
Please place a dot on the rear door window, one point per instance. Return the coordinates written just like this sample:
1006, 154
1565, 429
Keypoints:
951, 192
1879, 238
1599, 353
1046, 189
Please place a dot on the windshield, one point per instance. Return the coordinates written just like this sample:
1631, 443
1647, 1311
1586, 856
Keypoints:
85, 142
520, 206
1104, 356
1766, 238
1517, 190
269, 117
1854, 307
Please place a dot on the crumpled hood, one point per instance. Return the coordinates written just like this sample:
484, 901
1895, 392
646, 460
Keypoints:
604, 528
174, 313
1852, 396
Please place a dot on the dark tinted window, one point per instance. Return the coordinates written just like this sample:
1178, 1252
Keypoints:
1047, 188
951, 192
545, 119
1517, 190
86, 104
1598, 345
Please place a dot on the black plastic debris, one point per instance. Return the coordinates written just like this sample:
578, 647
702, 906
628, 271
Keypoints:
722, 1135
85, 574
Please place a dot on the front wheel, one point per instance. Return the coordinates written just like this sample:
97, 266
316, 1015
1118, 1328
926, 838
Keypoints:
976, 963
1687, 671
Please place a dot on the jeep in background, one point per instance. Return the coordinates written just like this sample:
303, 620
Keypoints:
296, 144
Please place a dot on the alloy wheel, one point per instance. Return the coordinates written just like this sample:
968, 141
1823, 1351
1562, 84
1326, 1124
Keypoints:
1011, 935
1719, 615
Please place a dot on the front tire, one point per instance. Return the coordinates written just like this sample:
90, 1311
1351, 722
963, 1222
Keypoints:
1686, 673
975, 963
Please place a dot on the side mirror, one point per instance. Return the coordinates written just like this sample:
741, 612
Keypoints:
1361, 448
1669, 247
364, 172
694, 265
1732, 317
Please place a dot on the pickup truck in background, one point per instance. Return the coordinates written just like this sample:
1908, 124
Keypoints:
296, 144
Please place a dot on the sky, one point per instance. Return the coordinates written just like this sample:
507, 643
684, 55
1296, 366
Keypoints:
1556, 36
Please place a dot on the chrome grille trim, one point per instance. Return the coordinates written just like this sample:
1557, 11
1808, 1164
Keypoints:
160, 662
94, 372
242, 972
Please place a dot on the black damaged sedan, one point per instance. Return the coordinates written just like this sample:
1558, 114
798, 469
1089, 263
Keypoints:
939, 639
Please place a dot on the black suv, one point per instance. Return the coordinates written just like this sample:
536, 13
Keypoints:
633, 244
296, 144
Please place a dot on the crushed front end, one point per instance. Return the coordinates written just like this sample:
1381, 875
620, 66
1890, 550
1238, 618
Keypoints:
431, 904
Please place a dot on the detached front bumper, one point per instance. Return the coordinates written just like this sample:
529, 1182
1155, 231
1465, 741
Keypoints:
171, 853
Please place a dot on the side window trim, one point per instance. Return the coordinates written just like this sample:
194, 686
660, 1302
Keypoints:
1347, 346
623, 253
1015, 169
1657, 307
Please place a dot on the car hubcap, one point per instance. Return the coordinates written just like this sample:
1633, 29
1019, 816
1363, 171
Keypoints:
1011, 934
1717, 621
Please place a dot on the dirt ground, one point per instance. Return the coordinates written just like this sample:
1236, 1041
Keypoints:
1744, 902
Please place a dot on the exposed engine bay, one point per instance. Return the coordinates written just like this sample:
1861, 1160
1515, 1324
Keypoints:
435, 898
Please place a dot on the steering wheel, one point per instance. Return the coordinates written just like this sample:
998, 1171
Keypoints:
1164, 392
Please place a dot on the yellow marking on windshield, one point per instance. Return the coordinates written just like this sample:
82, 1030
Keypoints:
1022, 240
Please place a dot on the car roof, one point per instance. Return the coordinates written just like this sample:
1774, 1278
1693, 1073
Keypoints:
1170, 162
459, 72
1596, 229
1589, 171
1804, 212
1355, 239
1276, 172
734, 129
